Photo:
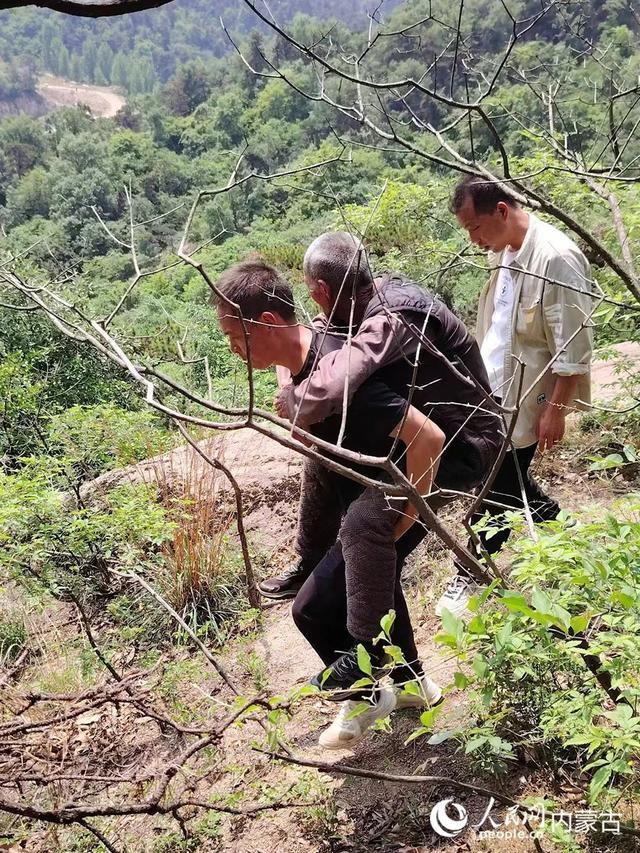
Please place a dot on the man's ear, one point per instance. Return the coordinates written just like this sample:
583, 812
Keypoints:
503, 209
270, 318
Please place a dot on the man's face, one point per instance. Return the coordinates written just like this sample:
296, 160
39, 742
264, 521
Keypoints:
260, 340
489, 231
320, 293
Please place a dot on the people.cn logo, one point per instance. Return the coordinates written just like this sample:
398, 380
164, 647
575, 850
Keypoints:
443, 824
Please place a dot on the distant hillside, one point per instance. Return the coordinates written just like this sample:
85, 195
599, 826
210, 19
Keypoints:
18, 93
139, 51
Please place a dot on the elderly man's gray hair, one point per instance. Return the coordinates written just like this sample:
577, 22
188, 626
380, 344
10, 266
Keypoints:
339, 259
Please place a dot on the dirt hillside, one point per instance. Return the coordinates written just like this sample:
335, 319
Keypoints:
103, 101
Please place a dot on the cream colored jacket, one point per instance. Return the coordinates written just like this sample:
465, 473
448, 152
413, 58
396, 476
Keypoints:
546, 332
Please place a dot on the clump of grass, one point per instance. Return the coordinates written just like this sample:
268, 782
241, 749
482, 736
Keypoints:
13, 637
202, 578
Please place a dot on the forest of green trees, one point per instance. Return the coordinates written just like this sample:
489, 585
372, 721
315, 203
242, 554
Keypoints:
141, 52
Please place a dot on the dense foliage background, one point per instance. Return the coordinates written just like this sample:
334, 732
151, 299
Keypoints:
58, 173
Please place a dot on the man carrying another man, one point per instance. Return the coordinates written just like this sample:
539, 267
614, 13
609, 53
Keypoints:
448, 429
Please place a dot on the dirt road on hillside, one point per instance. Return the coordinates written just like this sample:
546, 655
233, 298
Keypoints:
103, 101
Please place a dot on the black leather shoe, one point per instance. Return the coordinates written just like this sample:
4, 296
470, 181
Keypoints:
286, 585
343, 674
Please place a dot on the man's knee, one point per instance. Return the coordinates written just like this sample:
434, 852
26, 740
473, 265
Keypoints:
307, 612
369, 519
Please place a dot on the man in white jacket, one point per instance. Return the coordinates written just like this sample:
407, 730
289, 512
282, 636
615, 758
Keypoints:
535, 337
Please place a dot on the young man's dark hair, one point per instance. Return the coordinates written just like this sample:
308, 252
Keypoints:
255, 287
484, 194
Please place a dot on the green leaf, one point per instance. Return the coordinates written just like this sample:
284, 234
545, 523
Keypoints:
364, 660
440, 737
395, 653
416, 734
599, 781
451, 624
613, 460
480, 666
428, 717
579, 740
325, 675
446, 640
412, 688
306, 690
482, 597
386, 623
360, 708
623, 598
622, 715
579, 623
475, 743
543, 604
460, 680
477, 626
516, 603
365, 681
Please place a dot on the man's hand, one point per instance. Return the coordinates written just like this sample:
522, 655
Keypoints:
551, 426
280, 401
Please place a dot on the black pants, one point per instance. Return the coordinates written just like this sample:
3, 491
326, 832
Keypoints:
506, 490
320, 608
361, 519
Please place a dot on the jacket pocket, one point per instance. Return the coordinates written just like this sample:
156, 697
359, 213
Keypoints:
528, 319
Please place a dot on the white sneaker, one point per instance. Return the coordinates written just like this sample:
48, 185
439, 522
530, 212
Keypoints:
430, 695
344, 731
456, 596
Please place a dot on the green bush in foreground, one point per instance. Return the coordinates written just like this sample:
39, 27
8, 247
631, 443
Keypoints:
520, 651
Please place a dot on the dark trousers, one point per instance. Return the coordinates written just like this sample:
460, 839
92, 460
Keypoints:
363, 521
507, 491
320, 608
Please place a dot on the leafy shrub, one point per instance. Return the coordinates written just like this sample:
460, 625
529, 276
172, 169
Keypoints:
613, 437
47, 540
521, 651
97, 438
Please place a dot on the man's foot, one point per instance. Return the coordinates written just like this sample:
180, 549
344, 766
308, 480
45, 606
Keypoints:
430, 694
342, 675
457, 594
286, 585
345, 730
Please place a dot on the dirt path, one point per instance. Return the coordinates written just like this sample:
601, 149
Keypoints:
103, 101
361, 815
